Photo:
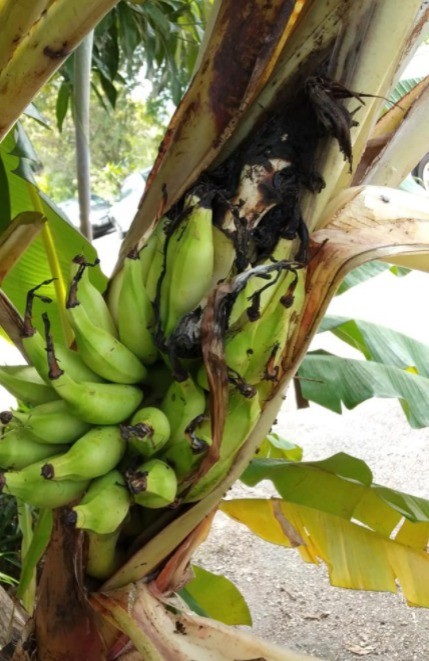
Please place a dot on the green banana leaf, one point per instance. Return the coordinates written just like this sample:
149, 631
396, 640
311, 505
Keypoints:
215, 596
275, 447
332, 511
35, 264
379, 343
366, 272
332, 381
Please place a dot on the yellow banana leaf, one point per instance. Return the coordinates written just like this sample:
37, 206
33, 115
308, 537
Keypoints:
357, 556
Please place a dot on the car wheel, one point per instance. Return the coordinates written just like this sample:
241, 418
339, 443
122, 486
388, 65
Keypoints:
421, 171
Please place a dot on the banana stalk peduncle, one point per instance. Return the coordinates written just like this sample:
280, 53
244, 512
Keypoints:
55, 370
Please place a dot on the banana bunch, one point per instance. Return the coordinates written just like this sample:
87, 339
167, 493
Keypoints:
118, 426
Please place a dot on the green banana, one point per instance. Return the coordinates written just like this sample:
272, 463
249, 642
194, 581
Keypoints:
223, 256
183, 402
102, 352
95, 453
89, 296
260, 289
34, 346
152, 260
153, 484
188, 265
103, 556
114, 295
147, 432
52, 423
104, 506
242, 415
29, 485
254, 351
184, 457
97, 403
35, 349
19, 449
135, 315
24, 383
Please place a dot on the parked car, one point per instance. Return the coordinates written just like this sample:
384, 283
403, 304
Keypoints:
421, 172
100, 218
125, 208
418, 68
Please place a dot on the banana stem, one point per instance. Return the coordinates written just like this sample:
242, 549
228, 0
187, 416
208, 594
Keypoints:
34, 551
54, 266
81, 98
25, 525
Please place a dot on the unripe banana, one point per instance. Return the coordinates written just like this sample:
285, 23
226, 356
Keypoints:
242, 415
254, 351
103, 557
97, 403
94, 454
24, 383
35, 349
102, 352
148, 431
104, 506
189, 265
29, 485
260, 289
152, 259
184, 457
19, 448
223, 256
89, 296
114, 294
52, 423
153, 484
135, 312
274, 329
183, 402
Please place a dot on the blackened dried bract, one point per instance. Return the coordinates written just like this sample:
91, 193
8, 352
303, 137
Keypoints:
185, 342
336, 120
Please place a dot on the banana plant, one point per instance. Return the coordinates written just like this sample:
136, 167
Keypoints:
272, 183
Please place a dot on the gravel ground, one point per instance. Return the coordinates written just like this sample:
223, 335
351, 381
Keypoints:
292, 603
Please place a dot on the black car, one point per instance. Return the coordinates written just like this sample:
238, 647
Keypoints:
100, 218
421, 172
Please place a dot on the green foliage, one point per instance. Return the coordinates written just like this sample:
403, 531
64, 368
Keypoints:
33, 267
10, 537
330, 380
159, 38
215, 596
122, 141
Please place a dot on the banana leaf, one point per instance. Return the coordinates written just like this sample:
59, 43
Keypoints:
332, 381
51, 252
379, 343
215, 596
332, 511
